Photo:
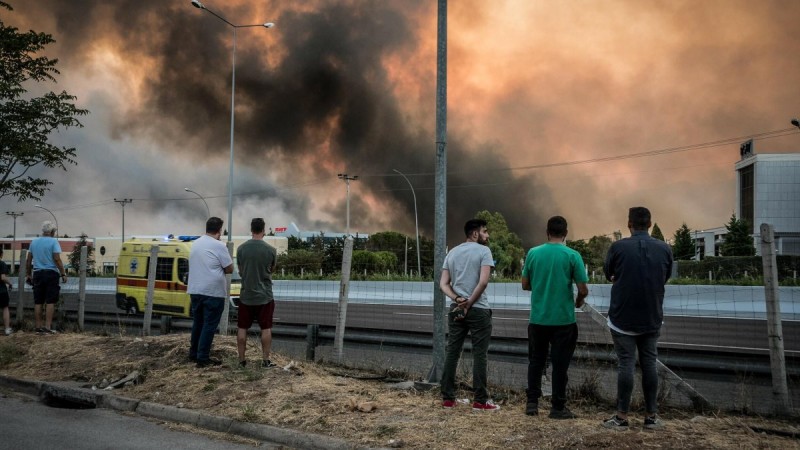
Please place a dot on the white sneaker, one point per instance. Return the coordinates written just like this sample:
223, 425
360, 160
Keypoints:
9, 331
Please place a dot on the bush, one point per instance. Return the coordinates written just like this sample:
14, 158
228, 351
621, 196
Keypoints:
737, 267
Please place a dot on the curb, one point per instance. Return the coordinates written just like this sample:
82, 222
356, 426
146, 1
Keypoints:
84, 397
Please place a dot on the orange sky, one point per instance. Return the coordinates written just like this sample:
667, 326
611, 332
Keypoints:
348, 86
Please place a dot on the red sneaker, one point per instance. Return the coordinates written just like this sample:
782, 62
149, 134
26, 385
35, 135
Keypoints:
448, 404
488, 406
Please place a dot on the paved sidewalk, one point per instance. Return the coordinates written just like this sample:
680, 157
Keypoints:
71, 393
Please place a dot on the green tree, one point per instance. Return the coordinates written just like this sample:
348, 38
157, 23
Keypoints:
598, 248
294, 260
27, 121
683, 244
74, 257
656, 233
581, 247
738, 241
505, 245
296, 243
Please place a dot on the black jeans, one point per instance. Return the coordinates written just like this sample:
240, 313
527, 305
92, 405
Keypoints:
560, 342
478, 323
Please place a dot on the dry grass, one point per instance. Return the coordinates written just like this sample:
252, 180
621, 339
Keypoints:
325, 400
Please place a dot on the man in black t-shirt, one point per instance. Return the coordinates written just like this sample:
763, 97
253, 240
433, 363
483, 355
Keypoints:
5, 286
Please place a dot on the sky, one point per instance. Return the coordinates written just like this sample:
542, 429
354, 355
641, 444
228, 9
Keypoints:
573, 108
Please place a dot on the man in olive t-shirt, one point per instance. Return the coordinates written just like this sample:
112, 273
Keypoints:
256, 261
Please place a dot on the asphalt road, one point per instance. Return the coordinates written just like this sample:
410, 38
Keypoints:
26, 423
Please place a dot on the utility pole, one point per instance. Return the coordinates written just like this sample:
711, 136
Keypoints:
14, 240
440, 193
347, 179
122, 203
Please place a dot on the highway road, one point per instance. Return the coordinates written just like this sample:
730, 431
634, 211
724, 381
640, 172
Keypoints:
712, 318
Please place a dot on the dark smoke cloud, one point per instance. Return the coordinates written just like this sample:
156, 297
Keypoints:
325, 87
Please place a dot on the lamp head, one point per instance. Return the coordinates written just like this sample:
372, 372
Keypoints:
197, 4
269, 25
796, 123
186, 189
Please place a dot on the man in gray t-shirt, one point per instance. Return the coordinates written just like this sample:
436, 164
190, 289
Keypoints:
465, 275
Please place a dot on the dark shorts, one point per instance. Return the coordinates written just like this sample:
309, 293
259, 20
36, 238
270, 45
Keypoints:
261, 313
45, 287
4, 299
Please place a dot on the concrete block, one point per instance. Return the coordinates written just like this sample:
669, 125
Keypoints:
169, 413
216, 423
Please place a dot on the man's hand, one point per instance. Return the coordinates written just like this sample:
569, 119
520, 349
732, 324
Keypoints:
579, 302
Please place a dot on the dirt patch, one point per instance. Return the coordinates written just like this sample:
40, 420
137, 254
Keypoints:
333, 400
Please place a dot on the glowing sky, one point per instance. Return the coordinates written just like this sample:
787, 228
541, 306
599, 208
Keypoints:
348, 86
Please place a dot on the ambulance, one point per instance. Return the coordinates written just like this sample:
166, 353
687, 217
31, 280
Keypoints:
172, 274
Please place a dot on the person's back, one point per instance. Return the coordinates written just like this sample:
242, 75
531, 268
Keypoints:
255, 259
206, 273
639, 266
42, 250
464, 264
553, 267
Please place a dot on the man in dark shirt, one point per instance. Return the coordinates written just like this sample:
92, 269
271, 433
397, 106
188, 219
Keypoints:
638, 267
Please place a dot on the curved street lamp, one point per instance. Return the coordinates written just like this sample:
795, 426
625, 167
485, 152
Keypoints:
208, 211
199, 5
51, 213
416, 222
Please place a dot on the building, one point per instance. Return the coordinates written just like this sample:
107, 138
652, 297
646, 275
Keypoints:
768, 191
308, 236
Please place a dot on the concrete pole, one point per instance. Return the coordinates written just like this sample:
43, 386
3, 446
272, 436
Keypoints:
151, 287
780, 388
223, 321
344, 291
82, 286
440, 208
23, 270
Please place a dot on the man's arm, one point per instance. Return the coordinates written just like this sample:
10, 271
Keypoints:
444, 285
608, 268
526, 283
583, 291
228, 269
60, 265
29, 265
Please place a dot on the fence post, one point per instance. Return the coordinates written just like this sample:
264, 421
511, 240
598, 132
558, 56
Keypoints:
312, 338
82, 286
344, 289
151, 287
780, 388
23, 268
223, 321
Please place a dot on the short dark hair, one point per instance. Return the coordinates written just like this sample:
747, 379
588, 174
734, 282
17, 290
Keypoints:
639, 217
213, 225
473, 225
257, 225
557, 226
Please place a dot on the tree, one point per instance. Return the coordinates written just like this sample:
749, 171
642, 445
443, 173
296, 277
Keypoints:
581, 247
74, 257
738, 241
656, 233
505, 245
683, 246
27, 122
598, 248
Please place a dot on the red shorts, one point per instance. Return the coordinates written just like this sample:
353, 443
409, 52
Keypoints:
261, 313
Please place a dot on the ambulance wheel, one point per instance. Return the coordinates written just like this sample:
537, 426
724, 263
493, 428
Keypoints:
132, 308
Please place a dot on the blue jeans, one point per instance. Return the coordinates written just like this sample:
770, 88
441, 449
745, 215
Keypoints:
560, 342
478, 323
626, 347
206, 313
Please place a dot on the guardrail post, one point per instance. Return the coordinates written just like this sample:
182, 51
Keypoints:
312, 338
151, 287
780, 388
82, 286
344, 290
23, 267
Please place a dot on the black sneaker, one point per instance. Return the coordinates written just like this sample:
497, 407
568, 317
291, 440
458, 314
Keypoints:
242, 364
653, 423
267, 364
615, 423
532, 409
39, 330
208, 362
47, 331
562, 414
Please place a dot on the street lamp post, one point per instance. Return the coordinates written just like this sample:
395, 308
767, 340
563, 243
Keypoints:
347, 179
14, 240
123, 202
208, 211
416, 221
199, 5
51, 213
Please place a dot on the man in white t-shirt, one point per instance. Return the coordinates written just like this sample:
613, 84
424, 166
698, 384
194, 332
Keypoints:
209, 261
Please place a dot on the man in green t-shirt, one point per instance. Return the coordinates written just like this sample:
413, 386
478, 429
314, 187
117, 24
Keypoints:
549, 271
256, 261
